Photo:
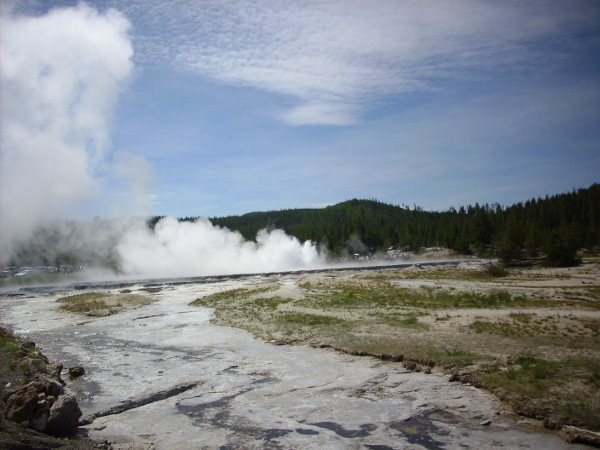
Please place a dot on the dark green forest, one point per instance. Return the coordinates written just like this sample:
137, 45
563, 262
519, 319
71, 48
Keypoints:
555, 225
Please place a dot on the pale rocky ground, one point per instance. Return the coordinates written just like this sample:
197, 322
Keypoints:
553, 325
162, 376
570, 285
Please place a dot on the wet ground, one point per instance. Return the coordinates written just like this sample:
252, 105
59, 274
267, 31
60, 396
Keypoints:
163, 377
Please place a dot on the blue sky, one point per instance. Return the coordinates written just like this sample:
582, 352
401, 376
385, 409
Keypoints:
237, 106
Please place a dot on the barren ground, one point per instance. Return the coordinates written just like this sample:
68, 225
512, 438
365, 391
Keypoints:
531, 336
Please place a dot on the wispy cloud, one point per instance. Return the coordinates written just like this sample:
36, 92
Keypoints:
333, 59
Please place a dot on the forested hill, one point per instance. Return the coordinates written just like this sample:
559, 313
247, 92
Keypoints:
572, 218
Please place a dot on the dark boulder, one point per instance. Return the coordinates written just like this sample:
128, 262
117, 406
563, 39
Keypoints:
39, 420
76, 372
64, 415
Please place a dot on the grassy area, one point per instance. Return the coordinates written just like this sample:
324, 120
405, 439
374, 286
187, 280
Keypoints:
490, 272
9, 351
230, 298
98, 304
539, 353
562, 391
350, 294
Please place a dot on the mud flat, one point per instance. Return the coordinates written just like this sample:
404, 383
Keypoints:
163, 376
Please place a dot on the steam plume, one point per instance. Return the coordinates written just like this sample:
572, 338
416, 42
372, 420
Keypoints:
61, 74
183, 248
60, 79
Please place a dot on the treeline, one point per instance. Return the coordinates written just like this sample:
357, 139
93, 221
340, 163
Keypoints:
567, 221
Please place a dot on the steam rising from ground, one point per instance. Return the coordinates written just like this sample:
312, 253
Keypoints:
130, 248
60, 78
199, 248
61, 75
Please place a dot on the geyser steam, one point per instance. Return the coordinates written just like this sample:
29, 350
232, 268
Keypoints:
199, 248
60, 79
61, 74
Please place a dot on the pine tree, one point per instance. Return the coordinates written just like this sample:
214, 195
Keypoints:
561, 250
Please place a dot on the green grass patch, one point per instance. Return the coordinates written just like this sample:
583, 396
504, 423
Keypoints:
83, 303
232, 297
569, 387
543, 331
356, 296
268, 303
489, 272
374, 344
405, 320
502, 329
8, 347
527, 376
521, 317
8, 343
102, 303
310, 320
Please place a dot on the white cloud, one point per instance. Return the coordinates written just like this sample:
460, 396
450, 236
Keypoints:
321, 114
332, 58
60, 79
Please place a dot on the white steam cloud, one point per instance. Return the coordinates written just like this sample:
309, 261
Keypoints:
199, 248
60, 79
61, 75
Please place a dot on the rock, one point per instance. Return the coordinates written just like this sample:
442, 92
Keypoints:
579, 435
554, 422
39, 385
28, 345
76, 372
22, 404
50, 399
408, 365
64, 415
51, 386
36, 365
502, 394
453, 377
54, 371
39, 420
